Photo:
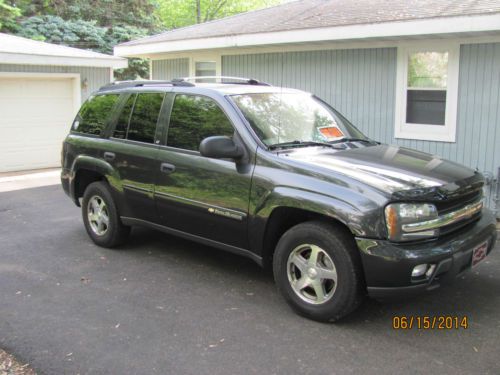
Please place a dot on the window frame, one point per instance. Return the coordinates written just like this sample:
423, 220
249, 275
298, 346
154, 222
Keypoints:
427, 132
205, 58
171, 103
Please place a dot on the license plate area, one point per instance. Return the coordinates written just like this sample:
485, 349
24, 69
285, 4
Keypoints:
479, 253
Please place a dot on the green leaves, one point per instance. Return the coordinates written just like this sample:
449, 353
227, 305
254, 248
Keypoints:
179, 13
8, 14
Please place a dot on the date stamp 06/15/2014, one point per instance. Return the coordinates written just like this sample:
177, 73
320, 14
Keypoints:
439, 322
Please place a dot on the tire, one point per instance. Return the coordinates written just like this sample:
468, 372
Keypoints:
101, 217
330, 285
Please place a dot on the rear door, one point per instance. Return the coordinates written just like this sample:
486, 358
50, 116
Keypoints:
132, 149
195, 194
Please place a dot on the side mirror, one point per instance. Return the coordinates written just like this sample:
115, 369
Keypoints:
220, 147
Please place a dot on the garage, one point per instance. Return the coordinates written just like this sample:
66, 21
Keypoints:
37, 111
42, 86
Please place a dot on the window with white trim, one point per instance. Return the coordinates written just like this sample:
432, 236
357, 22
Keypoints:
205, 69
427, 93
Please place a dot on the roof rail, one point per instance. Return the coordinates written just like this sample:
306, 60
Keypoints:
225, 80
127, 84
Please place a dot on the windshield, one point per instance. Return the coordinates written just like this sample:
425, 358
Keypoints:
279, 118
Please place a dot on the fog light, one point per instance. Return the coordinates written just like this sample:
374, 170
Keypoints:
430, 270
419, 270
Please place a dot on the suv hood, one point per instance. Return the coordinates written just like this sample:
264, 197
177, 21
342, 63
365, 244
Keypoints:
402, 172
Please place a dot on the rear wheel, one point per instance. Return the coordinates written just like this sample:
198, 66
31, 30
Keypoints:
101, 217
317, 270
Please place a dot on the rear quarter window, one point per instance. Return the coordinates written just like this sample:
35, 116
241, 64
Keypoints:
93, 115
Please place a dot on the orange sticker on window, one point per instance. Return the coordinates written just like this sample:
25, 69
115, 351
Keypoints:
331, 132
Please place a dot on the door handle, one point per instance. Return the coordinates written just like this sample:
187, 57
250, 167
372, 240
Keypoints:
167, 168
109, 156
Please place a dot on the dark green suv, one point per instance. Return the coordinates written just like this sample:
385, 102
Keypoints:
279, 176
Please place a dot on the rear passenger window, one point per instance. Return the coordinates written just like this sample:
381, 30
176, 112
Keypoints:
124, 118
142, 125
94, 113
195, 118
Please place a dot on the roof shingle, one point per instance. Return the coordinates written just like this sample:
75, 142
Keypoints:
307, 14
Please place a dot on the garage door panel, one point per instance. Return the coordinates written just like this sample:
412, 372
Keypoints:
36, 115
44, 108
32, 88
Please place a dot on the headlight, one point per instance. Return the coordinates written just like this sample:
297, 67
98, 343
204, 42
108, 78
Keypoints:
399, 214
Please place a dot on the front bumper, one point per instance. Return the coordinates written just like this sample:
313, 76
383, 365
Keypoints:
388, 265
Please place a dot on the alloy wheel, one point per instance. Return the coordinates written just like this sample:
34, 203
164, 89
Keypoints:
312, 274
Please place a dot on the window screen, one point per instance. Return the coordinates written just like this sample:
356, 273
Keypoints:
142, 126
427, 84
94, 113
195, 118
123, 120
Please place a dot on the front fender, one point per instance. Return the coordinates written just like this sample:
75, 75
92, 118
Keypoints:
311, 201
362, 220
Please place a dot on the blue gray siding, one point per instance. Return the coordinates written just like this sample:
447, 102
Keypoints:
96, 77
169, 69
358, 82
361, 84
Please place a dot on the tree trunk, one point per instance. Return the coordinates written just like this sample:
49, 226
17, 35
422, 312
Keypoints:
198, 11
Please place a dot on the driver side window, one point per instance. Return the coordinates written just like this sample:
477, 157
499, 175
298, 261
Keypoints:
195, 118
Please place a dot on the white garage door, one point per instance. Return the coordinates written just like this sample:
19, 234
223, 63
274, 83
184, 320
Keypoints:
35, 116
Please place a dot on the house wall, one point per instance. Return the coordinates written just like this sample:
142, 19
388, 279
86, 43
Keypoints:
361, 84
169, 69
96, 77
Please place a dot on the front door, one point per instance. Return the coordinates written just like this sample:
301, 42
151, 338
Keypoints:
195, 194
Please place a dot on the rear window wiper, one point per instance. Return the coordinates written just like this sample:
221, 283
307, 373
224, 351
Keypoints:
298, 143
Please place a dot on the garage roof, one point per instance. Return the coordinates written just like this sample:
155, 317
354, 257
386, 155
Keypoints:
18, 50
328, 20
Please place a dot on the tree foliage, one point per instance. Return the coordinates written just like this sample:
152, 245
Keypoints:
179, 13
8, 14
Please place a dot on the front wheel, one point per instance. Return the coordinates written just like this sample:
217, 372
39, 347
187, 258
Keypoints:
317, 270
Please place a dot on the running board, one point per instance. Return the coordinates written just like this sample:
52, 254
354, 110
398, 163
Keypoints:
205, 241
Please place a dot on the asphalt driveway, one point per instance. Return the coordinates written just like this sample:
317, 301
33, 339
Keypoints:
162, 305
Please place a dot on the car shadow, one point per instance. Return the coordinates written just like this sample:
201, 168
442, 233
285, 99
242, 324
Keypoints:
189, 252
459, 298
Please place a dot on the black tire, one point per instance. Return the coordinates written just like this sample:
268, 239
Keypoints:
348, 290
115, 233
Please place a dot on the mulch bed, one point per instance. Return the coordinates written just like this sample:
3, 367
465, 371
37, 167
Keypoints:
10, 366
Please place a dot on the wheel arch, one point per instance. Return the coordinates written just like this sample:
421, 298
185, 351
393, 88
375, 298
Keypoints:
88, 169
283, 210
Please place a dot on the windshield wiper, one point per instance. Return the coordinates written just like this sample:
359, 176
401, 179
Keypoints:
298, 143
349, 139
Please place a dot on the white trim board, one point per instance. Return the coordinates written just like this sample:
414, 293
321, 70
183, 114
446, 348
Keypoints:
28, 59
324, 46
398, 29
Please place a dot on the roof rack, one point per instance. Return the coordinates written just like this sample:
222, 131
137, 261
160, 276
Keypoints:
127, 84
225, 80
183, 82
